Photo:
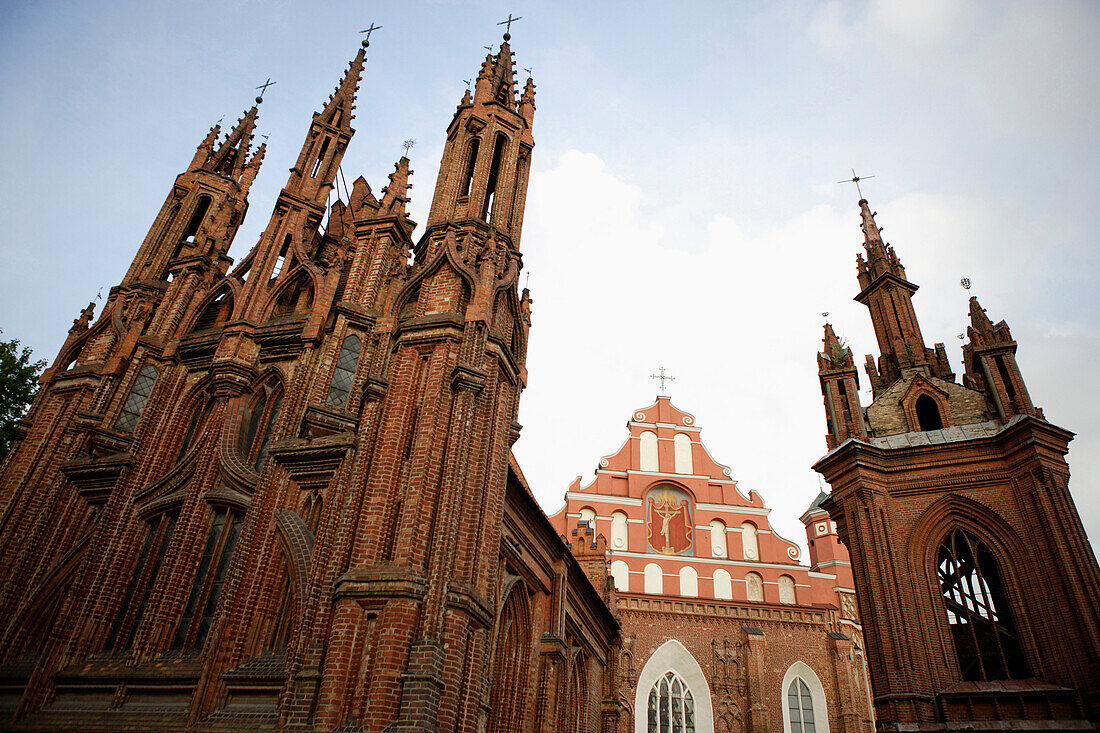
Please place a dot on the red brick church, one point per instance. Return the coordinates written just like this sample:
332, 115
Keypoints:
280, 494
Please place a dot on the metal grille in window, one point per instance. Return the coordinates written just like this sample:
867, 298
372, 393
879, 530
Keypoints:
345, 372
978, 610
801, 707
135, 401
671, 707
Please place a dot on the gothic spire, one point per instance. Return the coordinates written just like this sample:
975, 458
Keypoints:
230, 157
337, 111
393, 195
496, 81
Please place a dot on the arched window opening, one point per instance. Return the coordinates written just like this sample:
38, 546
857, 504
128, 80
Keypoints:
342, 378
723, 585
135, 401
471, 162
215, 313
202, 601
689, 582
647, 445
928, 414
512, 662
577, 711
618, 531
258, 423
749, 546
682, 450
588, 514
158, 534
754, 587
654, 580
978, 610
1010, 388
800, 705
671, 706
279, 634
281, 260
786, 589
488, 209
192, 427
297, 296
408, 310
201, 207
320, 157
717, 538
620, 573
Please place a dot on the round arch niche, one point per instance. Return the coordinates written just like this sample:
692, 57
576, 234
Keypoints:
672, 656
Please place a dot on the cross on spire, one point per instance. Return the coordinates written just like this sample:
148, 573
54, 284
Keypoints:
508, 23
856, 179
263, 88
662, 377
368, 31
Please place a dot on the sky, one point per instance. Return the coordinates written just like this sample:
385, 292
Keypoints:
683, 209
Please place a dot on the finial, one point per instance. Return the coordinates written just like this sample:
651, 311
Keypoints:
825, 314
528, 70
662, 377
408, 144
467, 82
263, 88
368, 31
508, 23
488, 48
965, 282
856, 179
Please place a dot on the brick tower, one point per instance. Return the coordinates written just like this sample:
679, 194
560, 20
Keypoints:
978, 590
278, 494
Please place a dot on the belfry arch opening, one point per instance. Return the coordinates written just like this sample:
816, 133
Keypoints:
928, 414
471, 163
488, 209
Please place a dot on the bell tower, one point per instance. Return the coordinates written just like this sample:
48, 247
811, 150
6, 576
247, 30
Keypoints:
978, 590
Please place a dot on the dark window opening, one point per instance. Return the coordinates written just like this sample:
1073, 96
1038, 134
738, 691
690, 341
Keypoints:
978, 611
157, 537
320, 158
928, 414
209, 580
1007, 379
337, 117
197, 217
843, 390
409, 309
192, 427
344, 375
487, 209
259, 423
280, 629
215, 313
282, 257
297, 296
471, 162
135, 401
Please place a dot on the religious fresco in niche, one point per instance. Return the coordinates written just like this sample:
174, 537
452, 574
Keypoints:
669, 521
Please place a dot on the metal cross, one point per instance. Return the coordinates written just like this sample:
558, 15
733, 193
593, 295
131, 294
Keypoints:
856, 179
370, 30
263, 87
663, 377
408, 144
509, 22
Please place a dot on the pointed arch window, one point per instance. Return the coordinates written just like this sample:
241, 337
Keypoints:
259, 422
488, 209
928, 413
978, 610
344, 374
135, 401
471, 162
320, 157
800, 706
198, 215
512, 662
671, 706
192, 427
202, 601
158, 534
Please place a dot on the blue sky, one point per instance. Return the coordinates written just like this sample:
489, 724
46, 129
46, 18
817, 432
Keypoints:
683, 209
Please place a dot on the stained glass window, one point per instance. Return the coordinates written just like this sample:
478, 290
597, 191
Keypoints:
671, 707
135, 401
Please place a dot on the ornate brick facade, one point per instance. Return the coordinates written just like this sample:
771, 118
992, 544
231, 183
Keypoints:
281, 493
707, 591
978, 590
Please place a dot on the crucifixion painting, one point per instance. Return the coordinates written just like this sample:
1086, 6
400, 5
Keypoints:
668, 520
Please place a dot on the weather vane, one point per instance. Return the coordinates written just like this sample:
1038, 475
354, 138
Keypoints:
368, 31
528, 70
467, 82
508, 23
408, 144
263, 88
965, 282
824, 314
662, 377
856, 179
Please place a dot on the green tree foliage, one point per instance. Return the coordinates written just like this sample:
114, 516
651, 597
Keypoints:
18, 382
